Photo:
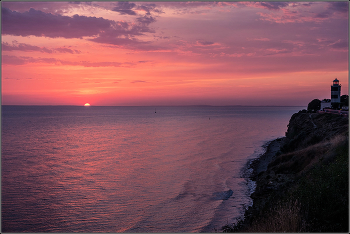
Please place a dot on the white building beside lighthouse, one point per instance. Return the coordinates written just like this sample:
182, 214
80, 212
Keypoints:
335, 91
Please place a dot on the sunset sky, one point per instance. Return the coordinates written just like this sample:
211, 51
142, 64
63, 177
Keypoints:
172, 53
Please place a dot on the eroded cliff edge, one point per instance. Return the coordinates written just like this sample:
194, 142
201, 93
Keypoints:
303, 186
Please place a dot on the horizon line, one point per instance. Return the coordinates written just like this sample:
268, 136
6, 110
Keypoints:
159, 105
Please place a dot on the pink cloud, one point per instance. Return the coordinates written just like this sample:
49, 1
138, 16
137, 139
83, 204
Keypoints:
259, 39
66, 50
125, 8
146, 20
289, 15
131, 8
38, 23
262, 5
21, 60
138, 81
205, 43
273, 5
339, 6
148, 8
26, 47
297, 43
23, 47
45, 6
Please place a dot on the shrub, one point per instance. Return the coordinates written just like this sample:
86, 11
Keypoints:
314, 105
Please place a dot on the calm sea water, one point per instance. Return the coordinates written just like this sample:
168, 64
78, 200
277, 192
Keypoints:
129, 169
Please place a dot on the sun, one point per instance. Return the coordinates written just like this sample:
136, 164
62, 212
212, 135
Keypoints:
87, 104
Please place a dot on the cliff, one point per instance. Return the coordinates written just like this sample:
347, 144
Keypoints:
303, 186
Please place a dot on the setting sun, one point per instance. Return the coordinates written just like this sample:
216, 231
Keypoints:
87, 104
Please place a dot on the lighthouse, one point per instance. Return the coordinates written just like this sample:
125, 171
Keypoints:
335, 92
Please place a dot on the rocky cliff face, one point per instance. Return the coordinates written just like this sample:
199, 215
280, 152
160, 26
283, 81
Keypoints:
315, 147
310, 139
307, 129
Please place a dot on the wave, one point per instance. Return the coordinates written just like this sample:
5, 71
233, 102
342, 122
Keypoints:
222, 195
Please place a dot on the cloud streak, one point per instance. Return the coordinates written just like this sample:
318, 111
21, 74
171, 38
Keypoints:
26, 47
273, 5
22, 60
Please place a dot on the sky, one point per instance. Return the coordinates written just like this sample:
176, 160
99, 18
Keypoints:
172, 53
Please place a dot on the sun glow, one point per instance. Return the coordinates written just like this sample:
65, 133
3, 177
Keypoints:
102, 64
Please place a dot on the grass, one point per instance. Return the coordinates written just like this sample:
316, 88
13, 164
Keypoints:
317, 201
324, 192
284, 216
281, 217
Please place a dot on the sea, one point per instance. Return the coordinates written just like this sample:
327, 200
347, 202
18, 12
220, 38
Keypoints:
131, 169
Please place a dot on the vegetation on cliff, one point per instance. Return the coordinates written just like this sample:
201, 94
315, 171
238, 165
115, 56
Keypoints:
315, 104
305, 186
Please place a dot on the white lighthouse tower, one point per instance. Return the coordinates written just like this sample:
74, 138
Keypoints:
335, 92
